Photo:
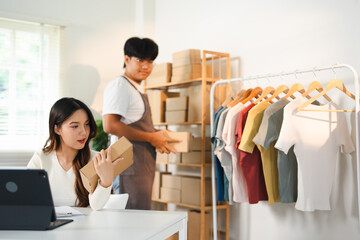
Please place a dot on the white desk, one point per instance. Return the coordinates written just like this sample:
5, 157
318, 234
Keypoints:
113, 224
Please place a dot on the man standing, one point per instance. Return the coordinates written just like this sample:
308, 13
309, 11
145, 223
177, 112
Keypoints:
126, 112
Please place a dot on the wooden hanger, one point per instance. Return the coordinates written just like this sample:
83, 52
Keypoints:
297, 87
230, 97
264, 94
279, 90
315, 85
240, 98
254, 93
334, 83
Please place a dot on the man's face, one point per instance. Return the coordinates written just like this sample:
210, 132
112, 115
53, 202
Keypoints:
138, 69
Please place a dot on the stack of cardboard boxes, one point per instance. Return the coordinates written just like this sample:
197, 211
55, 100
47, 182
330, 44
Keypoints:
176, 109
157, 101
194, 156
161, 74
186, 65
180, 189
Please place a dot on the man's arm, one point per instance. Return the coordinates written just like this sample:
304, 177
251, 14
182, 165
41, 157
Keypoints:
113, 125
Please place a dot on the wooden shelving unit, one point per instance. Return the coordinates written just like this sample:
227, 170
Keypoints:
217, 60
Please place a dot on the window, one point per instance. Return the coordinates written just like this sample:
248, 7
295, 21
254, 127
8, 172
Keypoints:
29, 79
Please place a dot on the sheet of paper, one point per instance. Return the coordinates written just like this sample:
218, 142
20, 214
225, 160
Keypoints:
66, 211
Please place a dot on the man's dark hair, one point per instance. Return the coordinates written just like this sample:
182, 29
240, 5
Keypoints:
142, 48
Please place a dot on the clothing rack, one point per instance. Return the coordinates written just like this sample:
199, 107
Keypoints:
313, 70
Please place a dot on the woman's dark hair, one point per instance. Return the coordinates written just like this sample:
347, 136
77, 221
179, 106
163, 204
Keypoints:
59, 112
142, 48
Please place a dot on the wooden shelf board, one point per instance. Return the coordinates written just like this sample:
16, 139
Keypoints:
182, 84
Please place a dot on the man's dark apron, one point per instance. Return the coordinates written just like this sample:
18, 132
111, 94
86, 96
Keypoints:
138, 179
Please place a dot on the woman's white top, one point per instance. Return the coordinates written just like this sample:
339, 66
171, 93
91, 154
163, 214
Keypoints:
62, 183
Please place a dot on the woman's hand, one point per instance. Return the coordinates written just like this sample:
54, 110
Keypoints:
104, 167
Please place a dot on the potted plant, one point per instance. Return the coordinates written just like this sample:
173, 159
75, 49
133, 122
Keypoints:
100, 141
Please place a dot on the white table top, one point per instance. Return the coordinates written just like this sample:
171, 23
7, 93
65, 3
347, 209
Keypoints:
112, 224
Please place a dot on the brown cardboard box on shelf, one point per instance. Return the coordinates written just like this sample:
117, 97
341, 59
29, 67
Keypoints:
174, 158
175, 116
195, 144
157, 184
157, 101
186, 57
161, 74
194, 228
183, 137
171, 181
170, 194
195, 157
176, 103
122, 148
195, 101
191, 191
166, 158
161, 157
194, 53
189, 72
192, 70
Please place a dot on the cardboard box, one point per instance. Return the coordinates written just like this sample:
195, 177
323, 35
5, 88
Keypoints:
184, 137
171, 181
161, 157
167, 158
157, 184
170, 194
122, 148
175, 116
174, 158
195, 144
190, 70
195, 101
194, 222
191, 191
186, 57
157, 100
195, 157
161, 74
177, 103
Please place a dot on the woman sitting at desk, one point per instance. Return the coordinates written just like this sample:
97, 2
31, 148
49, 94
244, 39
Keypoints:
71, 127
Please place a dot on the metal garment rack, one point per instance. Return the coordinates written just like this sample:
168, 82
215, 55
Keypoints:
357, 107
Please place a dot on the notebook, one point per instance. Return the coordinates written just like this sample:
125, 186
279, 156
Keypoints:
26, 202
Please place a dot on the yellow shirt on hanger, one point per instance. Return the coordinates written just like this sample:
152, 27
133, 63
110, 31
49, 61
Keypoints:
268, 156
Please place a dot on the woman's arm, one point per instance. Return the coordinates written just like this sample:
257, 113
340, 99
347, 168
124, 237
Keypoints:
105, 170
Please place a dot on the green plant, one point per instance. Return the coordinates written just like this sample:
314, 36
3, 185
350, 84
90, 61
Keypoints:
101, 140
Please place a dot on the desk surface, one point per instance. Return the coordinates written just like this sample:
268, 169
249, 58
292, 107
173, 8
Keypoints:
112, 224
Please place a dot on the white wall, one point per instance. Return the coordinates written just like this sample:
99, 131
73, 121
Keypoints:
270, 37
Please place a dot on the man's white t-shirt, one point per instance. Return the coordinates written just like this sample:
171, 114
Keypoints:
121, 98
317, 137
62, 183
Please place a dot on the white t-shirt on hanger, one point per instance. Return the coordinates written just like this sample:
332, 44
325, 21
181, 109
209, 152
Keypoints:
240, 192
317, 137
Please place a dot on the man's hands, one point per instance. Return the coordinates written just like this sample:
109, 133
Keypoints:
161, 142
104, 167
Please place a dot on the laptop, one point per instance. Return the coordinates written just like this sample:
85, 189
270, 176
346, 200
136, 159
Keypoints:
26, 202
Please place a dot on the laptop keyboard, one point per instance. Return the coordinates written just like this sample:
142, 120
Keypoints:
58, 223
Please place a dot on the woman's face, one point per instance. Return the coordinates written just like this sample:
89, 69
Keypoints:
75, 130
